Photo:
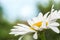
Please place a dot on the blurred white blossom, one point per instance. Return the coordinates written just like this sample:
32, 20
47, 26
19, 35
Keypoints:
38, 23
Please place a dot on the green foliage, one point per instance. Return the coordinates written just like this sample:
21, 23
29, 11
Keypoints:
45, 9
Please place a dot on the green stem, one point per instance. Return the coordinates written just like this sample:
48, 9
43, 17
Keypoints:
42, 36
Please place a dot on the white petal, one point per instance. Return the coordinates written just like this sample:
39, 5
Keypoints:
43, 25
54, 15
30, 22
26, 27
35, 19
35, 27
54, 24
35, 36
40, 15
18, 33
52, 8
21, 29
59, 11
55, 29
16, 26
20, 38
23, 25
45, 16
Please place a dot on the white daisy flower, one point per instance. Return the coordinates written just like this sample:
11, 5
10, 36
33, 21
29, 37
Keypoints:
22, 29
46, 22
35, 25
51, 20
38, 24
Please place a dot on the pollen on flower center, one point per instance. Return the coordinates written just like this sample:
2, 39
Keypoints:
46, 23
38, 24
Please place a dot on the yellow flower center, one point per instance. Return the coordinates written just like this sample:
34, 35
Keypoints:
38, 24
46, 23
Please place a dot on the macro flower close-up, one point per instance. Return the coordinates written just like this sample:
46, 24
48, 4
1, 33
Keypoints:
30, 20
38, 23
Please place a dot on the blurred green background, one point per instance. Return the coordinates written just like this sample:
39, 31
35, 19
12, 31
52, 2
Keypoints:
5, 25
